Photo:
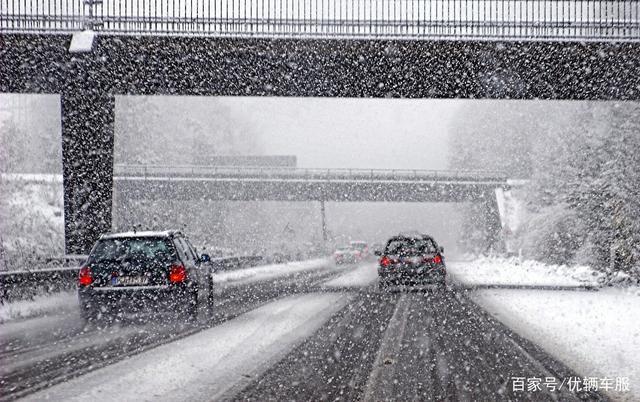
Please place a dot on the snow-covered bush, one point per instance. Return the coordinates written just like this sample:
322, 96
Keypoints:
552, 235
31, 220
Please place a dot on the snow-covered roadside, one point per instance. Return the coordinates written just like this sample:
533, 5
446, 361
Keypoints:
40, 305
209, 364
513, 272
362, 276
265, 272
32, 177
597, 334
31, 216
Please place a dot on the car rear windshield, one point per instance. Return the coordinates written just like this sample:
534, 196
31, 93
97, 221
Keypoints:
140, 248
410, 247
359, 246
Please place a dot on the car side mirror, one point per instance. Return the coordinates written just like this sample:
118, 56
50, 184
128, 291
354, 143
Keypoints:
205, 258
441, 249
378, 253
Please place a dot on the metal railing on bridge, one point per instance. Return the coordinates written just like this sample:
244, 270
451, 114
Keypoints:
600, 20
283, 173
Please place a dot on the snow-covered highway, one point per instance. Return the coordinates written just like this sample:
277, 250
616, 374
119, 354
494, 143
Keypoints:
303, 331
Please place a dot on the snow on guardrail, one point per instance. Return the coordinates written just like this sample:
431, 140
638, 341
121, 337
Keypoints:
20, 285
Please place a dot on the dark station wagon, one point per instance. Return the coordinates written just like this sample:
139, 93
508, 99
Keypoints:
140, 271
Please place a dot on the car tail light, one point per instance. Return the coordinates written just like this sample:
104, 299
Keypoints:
84, 276
385, 261
177, 274
437, 259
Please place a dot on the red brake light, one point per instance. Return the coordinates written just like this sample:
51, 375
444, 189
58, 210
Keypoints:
385, 261
177, 274
84, 276
437, 259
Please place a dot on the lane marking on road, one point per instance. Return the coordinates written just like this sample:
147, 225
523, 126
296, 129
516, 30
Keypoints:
207, 364
63, 373
380, 383
485, 316
360, 276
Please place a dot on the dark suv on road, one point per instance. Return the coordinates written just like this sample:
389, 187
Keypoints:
411, 259
136, 271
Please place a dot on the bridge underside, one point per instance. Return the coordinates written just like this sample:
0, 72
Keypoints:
165, 65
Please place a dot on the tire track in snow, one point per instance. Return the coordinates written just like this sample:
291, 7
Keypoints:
51, 364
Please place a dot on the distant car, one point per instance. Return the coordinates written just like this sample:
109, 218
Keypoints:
347, 255
377, 247
130, 271
412, 259
360, 246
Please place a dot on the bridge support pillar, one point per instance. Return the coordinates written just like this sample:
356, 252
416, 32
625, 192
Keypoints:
87, 166
495, 240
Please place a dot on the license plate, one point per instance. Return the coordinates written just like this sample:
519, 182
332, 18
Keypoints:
130, 280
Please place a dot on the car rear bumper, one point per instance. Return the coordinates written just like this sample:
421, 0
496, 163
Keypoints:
134, 298
428, 274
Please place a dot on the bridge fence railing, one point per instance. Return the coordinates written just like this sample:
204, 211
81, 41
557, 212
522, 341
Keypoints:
151, 171
617, 20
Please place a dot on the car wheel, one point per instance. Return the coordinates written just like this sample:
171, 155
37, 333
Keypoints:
88, 314
193, 307
89, 310
210, 300
383, 284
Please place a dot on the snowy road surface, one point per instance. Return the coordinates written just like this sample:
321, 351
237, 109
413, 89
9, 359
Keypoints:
597, 334
205, 365
318, 332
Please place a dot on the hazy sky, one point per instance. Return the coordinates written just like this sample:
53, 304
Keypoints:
321, 132
352, 133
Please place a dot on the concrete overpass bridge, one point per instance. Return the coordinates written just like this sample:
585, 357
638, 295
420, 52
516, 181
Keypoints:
299, 184
91, 51
224, 183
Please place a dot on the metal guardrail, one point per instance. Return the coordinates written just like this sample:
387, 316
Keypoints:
20, 285
169, 172
617, 20
232, 263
